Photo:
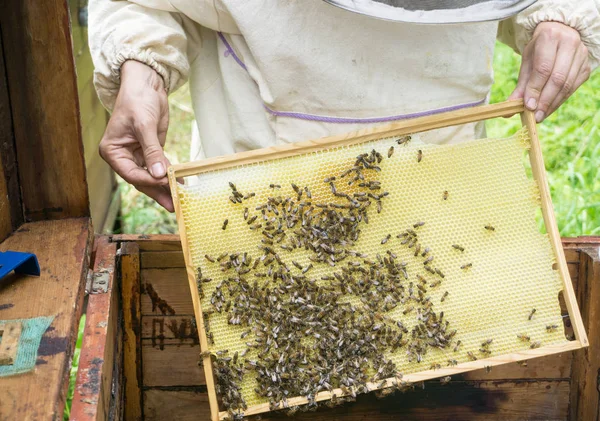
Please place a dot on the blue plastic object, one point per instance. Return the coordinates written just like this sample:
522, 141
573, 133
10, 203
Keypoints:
20, 262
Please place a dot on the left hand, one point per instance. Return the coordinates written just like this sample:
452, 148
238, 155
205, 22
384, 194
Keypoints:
555, 63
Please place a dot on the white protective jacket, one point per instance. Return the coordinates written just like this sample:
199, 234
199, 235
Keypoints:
265, 72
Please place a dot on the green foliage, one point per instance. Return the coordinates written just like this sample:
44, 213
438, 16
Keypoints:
74, 368
570, 140
570, 143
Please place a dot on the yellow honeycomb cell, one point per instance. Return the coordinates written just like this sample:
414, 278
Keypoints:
486, 184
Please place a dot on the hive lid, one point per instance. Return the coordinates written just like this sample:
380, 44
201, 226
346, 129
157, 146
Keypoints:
435, 11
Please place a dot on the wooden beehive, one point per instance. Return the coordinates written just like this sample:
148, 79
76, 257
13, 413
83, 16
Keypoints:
306, 162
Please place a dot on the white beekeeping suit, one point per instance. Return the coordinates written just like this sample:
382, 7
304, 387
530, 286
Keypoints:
265, 72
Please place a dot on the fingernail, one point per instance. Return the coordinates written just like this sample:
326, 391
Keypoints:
531, 103
539, 116
157, 170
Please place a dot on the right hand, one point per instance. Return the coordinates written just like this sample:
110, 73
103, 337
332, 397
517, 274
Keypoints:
136, 132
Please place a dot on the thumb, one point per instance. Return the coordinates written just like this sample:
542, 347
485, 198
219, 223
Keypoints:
154, 156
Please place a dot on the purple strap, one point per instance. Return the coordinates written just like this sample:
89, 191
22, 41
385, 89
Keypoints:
347, 120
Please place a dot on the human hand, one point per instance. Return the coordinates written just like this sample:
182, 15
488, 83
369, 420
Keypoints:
136, 132
555, 63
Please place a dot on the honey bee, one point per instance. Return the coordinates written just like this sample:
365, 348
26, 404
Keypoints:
429, 269
408, 310
551, 328
418, 224
439, 272
457, 346
417, 249
457, 247
308, 193
485, 351
466, 266
390, 151
425, 252
487, 342
452, 363
251, 220
404, 140
471, 356
435, 366
274, 186
444, 296
225, 222
488, 368
445, 380
245, 213
524, 338
445, 195
522, 363
209, 258
531, 314
419, 155
535, 344
490, 228
435, 283
386, 239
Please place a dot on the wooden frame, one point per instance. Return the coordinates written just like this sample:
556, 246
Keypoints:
396, 129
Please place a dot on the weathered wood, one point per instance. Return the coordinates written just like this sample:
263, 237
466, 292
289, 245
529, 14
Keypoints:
166, 292
180, 405
11, 213
557, 366
62, 248
132, 350
158, 242
473, 401
45, 109
100, 355
9, 345
102, 187
163, 259
585, 382
181, 327
172, 365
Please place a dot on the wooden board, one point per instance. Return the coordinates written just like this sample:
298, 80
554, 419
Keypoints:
45, 109
132, 351
585, 383
416, 125
62, 248
174, 386
98, 376
165, 292
458, 401
11, 213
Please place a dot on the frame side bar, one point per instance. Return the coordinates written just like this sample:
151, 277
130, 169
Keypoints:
539, 174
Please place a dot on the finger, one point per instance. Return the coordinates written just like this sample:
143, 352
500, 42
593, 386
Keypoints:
543, 58
161, 194
558, 81
524, 74
578, 74
154, 157
134, 174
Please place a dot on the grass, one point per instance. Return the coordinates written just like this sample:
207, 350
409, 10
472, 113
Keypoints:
74, 368
570, 139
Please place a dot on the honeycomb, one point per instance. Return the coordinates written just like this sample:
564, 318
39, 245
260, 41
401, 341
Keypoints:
486, 184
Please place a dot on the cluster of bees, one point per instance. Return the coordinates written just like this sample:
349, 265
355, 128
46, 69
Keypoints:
301, 333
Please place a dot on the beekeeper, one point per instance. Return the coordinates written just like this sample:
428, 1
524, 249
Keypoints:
267, 72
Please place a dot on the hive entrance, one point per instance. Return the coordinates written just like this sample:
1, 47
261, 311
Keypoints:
415, 262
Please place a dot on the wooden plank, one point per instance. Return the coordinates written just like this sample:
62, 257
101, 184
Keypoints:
414, 125
10, 333
181, 405
485, 401
557, 366
571, 254
11, 212
45, 108
62, 248
112, 213
166, 292
92, 397
585, 382
157, 242
180, 327
132, 350
173, 365
162, 259
539, 174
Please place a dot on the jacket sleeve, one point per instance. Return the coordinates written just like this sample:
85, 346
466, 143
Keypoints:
582, 15
121, 30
